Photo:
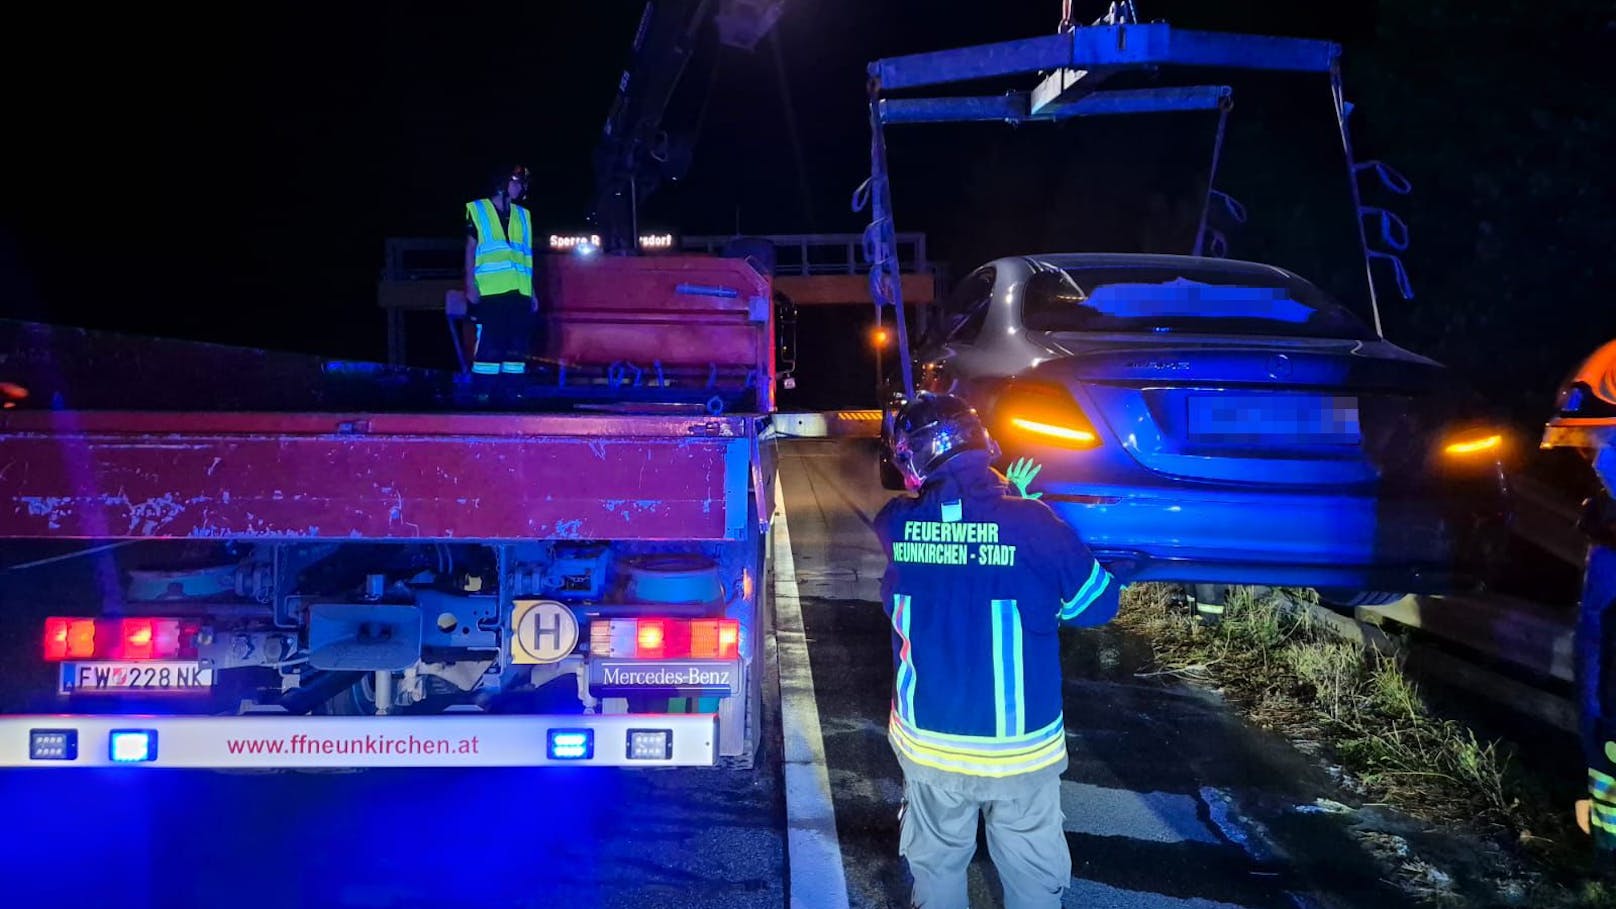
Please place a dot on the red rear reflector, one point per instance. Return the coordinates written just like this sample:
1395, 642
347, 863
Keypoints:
120, 639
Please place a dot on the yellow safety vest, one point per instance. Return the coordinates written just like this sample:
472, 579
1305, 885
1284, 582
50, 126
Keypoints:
503, 264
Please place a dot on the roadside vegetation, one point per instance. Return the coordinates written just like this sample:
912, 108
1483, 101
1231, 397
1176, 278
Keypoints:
1409, 770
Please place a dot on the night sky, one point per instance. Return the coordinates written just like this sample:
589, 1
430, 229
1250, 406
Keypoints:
233, 177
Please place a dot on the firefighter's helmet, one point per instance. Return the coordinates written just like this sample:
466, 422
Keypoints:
1585, 407
930, 430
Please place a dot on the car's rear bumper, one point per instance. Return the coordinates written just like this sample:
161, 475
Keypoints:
1428, 579
1231, 536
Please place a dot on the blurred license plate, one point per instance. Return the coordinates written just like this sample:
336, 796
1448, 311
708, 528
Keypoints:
125, 677
1274, 418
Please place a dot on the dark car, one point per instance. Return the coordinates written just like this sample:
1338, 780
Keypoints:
1223, 422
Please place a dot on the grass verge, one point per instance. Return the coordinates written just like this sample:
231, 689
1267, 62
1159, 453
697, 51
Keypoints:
1355, 708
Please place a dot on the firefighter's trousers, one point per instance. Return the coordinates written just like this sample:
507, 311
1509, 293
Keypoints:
1026, 839
1596, 694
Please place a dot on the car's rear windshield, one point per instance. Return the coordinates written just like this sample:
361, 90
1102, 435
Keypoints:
1164, 300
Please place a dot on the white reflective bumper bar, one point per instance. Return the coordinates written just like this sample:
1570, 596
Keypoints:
448, 740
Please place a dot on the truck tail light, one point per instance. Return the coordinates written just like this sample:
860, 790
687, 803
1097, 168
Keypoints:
69, 639
120, 639
659, 639
714, 639
650, 639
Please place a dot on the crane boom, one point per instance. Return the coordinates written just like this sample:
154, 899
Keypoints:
637, 148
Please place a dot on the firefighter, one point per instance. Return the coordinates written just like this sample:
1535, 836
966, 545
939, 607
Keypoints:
499, 277
977, 584
1585, 419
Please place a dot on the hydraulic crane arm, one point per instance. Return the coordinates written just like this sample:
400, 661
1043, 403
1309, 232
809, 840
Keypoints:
637, 149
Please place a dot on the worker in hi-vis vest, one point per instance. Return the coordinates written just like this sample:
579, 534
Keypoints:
979, 580
499, 278
1585, 420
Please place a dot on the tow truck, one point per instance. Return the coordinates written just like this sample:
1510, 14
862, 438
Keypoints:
242, 558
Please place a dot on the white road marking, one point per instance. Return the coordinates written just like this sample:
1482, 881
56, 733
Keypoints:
813, 850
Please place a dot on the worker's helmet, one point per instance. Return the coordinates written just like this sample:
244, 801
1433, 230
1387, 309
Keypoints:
931, 429
502, 177
1585, 407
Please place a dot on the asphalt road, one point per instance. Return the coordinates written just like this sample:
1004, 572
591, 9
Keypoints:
391, 839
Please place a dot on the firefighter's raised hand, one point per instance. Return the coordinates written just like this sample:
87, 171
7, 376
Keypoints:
1021, 474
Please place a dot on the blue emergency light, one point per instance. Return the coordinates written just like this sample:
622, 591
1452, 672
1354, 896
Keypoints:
571, 744
132, 746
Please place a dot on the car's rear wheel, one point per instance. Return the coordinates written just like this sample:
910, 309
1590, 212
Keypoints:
1342, 598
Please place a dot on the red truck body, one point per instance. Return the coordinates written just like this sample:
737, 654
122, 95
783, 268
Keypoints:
358, 539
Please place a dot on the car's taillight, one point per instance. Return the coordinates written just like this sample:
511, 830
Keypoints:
120, 639
1475, 443
1045, 414
659, 639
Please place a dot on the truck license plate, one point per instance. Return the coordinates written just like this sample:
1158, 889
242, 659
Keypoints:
121, 677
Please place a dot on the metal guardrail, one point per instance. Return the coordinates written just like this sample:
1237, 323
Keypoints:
1530, 635
439, 258
833, 424
1431, 662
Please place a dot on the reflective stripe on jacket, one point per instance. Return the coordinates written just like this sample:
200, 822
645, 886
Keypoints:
503, 263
